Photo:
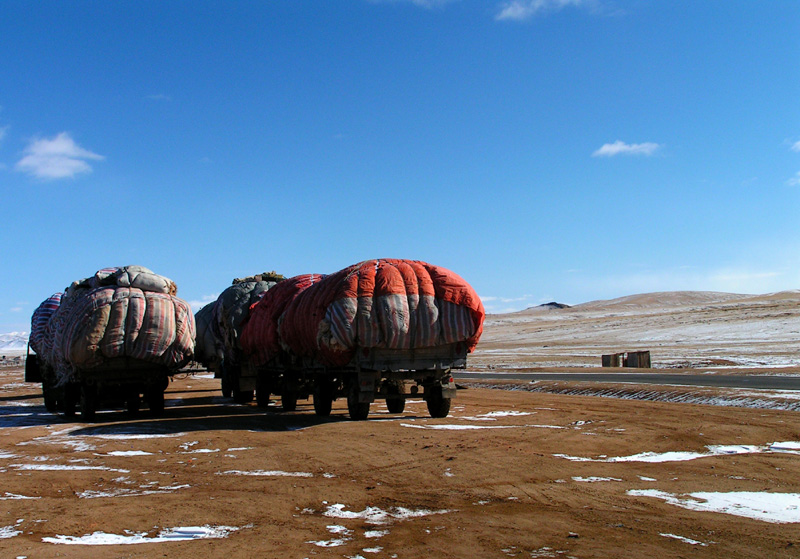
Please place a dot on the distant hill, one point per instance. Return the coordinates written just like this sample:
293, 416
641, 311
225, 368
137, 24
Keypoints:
15, 341
552, 305
665, 299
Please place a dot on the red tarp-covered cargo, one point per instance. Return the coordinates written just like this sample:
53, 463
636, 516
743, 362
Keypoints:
391, 304
260, 340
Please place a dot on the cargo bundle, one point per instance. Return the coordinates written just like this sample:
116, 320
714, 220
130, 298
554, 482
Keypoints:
207, 347
362, 332
220, 324
114, 335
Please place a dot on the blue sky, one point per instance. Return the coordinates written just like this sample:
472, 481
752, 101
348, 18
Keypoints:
566, 150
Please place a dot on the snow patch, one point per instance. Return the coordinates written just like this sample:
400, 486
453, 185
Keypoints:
62, 467
680, 456
267, 473
778, 508
127, 453
167, 535
684, 540
375, 515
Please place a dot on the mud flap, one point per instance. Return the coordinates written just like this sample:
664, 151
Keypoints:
33, 372
366, 387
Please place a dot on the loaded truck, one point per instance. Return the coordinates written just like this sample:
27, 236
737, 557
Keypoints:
382, 329
112, 339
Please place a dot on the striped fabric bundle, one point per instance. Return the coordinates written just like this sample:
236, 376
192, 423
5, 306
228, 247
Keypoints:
95, 324
393, 304
232, 307
40, 318
109, 322
260, 340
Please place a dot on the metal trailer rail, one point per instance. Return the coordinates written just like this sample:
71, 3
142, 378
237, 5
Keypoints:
119, 381
373, 374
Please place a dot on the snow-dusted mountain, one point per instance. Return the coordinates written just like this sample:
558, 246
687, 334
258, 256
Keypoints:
14, 341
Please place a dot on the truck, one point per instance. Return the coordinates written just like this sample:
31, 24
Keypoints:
386, 329
115, 338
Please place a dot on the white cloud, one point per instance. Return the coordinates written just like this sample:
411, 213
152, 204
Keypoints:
56, 158
199, 304
621, 148
796, 146
795, 180
520, 10
500, 305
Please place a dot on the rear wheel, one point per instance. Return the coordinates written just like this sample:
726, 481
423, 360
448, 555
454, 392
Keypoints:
88, 402
227, 392
263, 391
243, 396
358, 410
50, 397
155, 401
438, 405
133, 404
323, 398
289, 400
395, 402
71, 396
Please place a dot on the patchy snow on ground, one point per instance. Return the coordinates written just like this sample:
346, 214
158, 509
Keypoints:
375, 515
7, 532
14, 497
780, 508
682, 456
266, 473
61, 467
129, 538
127, 453
126, 492
684, 540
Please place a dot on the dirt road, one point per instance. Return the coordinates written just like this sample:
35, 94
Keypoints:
507, 474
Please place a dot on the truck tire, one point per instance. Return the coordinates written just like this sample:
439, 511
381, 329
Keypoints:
323, 399
133, 404
227, 391
263, 392
438, 405
395, 405
243, 396
155, 401
358, 410
88, 402
50, 396
289, 400
71, 395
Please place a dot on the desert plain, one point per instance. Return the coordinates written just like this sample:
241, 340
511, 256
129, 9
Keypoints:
520, 468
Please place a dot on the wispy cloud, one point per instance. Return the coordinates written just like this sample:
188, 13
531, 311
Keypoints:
56, 158
795, 180
3, 132
621, 148
521, 10
202, 302
795, 146
500, 305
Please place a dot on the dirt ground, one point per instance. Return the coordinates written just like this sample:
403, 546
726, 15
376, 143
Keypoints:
509, 473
